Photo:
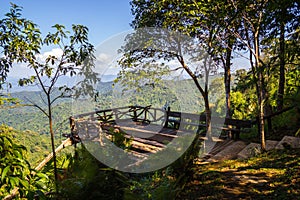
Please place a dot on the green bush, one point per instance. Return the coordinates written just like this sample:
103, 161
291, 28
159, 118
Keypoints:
157, 185
16, 171
84, 177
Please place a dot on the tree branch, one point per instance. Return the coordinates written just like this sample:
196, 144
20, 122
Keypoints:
35, 105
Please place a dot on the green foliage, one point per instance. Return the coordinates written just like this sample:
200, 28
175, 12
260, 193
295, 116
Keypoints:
87, 178
82, 176
119, 139
243, 107
286, 121
293, 82
38, 145
217, 96
15, 170
29, 118
7, 101
243, 96
159, 185
77, 58
290, 120
19, 39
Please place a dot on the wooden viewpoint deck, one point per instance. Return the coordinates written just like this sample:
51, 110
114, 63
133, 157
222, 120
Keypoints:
149, 129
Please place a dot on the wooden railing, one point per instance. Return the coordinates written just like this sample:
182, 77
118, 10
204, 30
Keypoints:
166, 118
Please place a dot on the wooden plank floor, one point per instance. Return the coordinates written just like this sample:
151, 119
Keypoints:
143, 139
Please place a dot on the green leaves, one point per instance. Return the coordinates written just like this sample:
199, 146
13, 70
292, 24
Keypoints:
15, 171
56, 37
73, 55
80, 34
4, 172
76, 58
13, 167
27, 81
19, 40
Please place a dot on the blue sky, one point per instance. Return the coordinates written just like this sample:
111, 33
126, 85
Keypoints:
104, 18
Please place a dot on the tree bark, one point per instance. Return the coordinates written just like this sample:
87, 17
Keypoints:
208, 117
52, 135
204, 93
261, 123
260, 92
227, 77
282, 64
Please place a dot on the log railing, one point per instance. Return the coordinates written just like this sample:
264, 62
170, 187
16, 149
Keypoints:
168, 119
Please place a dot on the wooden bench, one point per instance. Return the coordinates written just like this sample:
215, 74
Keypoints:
232, 127
235, 127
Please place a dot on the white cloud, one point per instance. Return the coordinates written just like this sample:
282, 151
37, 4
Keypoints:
106, 63
57, 52
21, 70
104, 58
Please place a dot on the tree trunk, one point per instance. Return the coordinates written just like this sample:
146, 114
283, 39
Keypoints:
52, 136
227, 77
261, 123
204, 94
208, 117
260, 92
282, 66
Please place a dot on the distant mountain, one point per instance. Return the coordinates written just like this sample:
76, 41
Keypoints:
69, 81
108, 78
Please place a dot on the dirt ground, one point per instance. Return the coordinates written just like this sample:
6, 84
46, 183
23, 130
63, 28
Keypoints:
273, 175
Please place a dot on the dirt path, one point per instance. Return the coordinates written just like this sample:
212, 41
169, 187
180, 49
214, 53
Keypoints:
269, 176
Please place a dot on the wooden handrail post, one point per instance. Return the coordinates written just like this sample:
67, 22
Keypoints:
167, 116
72, 125
134, 114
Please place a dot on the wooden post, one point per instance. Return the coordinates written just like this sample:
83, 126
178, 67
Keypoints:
72, 125
134, 114
145, 114
167, 117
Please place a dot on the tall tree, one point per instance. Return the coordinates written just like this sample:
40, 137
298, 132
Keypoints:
282, 21
76, 58
148, 51
253, 15
210, 21
219, 16
207, 21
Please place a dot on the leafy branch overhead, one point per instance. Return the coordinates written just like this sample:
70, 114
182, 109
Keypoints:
75, 58
19, 40
153, 53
